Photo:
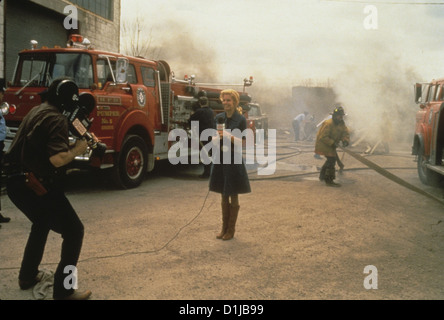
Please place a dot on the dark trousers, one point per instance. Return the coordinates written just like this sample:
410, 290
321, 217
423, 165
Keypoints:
53, 212
296, 129
328, 170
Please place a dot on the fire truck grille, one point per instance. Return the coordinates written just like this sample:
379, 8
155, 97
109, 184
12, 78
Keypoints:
166, 88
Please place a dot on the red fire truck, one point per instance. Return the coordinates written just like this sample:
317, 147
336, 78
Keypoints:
428, 142
139, 101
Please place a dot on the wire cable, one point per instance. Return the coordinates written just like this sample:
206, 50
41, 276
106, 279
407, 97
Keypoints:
128, 253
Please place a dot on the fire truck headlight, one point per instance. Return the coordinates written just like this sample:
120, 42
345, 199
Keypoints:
4, 108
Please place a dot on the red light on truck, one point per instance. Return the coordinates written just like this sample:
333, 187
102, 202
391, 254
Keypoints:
12, 109
76, 38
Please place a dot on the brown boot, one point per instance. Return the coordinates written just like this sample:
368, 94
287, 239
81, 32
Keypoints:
234, 210
331, 183
77, 295
330, 175
225, 217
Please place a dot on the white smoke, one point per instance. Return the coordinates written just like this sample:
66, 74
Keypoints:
284, 43
378, 96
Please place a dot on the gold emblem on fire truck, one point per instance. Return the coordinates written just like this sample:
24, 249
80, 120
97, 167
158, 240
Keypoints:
141, 97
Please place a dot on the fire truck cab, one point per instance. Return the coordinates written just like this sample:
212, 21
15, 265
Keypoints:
138, 102
428, 141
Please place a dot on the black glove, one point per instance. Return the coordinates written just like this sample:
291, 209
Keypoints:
344, 143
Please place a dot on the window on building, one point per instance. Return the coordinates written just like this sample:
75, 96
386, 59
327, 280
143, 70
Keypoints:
103, 8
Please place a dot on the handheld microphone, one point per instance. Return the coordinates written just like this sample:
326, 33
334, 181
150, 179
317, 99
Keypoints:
220, 124
221, 127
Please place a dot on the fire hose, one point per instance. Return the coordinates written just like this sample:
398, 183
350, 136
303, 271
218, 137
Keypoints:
389, 175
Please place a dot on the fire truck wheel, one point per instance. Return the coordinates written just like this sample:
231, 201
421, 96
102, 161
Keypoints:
427, 176
132, 163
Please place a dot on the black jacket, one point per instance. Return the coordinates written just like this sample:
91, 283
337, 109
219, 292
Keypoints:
230, 179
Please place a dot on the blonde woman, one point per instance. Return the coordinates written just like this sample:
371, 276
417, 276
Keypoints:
229, 179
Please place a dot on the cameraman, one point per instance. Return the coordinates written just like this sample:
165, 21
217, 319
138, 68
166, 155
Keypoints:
41, 147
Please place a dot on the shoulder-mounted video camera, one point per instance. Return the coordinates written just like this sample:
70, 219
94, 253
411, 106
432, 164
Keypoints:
76, 108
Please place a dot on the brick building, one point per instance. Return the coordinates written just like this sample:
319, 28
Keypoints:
50, 22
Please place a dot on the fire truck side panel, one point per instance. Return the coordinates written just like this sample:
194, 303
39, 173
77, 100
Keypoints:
419, 131
25, 101
107, 115
134, 122
437, 139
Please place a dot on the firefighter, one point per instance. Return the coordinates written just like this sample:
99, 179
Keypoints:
229, 179
205, 116
332, 132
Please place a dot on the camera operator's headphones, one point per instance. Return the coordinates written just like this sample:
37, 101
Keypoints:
62, 93
67, 94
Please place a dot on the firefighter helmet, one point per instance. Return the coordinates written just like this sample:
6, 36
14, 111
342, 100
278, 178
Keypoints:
202, 93
339, 111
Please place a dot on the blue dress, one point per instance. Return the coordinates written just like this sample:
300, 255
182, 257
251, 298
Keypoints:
230, 179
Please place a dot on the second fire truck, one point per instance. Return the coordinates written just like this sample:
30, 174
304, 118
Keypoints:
428, 142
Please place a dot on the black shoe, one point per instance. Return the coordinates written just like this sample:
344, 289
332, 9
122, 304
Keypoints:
26, 284
332, 184
4, 219
322, 175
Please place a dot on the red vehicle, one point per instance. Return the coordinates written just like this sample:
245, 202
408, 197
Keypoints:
138, 102
256, 120
428, 142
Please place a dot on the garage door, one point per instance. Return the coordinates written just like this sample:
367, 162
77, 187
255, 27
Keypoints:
25, 21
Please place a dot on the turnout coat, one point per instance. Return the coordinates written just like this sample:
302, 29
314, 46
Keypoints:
329, 135
230, 179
